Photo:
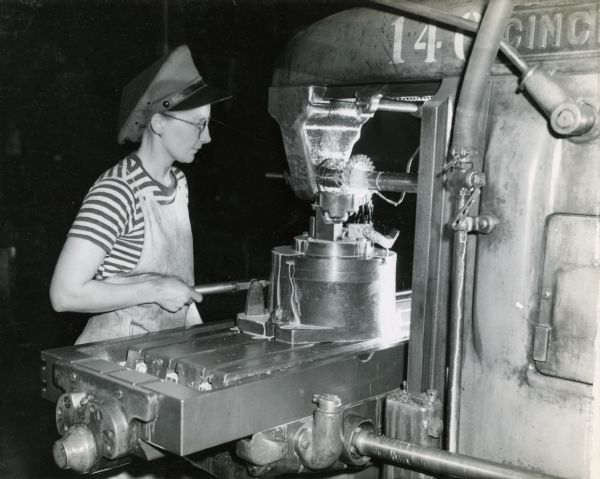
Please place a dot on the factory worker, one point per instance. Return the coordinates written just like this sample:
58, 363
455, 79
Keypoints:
128, 257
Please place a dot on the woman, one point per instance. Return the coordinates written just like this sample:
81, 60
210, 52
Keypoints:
129, 254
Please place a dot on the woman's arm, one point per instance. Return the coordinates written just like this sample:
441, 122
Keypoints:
73, 287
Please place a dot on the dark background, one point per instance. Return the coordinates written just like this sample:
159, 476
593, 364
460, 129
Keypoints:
62, 67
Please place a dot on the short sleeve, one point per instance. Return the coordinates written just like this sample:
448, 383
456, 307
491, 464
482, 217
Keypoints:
106, 213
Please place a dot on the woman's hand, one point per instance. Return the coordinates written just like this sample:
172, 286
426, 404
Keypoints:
74, 288
173, 294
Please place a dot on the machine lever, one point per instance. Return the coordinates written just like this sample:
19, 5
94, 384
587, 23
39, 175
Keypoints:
227, 287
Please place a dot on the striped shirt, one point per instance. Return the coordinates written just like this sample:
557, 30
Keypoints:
111, 214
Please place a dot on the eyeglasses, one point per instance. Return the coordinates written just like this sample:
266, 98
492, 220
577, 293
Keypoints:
200, 125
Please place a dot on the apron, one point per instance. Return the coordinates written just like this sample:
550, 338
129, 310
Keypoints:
167, 251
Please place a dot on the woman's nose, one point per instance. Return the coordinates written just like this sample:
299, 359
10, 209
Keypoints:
204, 136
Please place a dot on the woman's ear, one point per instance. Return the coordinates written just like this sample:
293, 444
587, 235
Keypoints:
157, 124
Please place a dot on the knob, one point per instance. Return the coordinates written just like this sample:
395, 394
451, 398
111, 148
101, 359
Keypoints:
76, 449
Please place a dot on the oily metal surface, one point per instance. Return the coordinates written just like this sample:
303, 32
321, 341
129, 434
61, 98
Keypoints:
530, 177
215, 384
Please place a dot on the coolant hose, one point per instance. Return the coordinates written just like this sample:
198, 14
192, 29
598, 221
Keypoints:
466, 141
467, 125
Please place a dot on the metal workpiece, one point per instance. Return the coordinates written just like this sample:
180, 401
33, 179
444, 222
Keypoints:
327, 296
436, 461
319, 444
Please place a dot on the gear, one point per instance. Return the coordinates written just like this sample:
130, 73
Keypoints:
354, 175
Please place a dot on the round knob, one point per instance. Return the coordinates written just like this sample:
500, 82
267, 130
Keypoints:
76, 449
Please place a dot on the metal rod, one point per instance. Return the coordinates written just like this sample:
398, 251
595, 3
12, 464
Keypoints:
398, 106
228, 287
376, 180
403, 6
274, 176
392, 181
455, 346
436, 461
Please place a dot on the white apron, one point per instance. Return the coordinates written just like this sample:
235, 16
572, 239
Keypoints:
167, 250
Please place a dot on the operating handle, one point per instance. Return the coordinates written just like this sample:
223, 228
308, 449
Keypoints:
227, 287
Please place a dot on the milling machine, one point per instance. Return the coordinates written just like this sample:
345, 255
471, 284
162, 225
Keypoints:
499, 380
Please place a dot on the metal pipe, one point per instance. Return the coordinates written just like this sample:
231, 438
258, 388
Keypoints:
467, 126
319, 445
403, 6
467, 131
455, 340
398, 106
392, 181
436, 461
228, 287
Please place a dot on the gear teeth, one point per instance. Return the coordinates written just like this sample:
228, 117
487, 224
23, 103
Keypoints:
354, 174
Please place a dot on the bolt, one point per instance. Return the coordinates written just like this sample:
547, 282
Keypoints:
67, 402
304, 443
565, 119
432, 395
476, 179
547, 294
109, 448
59, 412
73, 377
119, 394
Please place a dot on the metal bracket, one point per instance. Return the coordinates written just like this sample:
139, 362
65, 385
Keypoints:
478, 224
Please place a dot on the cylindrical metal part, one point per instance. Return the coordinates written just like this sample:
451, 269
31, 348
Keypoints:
546, 93
353, 297
467, 126
319, 445
76, 450
227, 287
436, 461
455, 347
398, 106
392, 181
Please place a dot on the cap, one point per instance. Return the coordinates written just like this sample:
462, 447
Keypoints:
171, 83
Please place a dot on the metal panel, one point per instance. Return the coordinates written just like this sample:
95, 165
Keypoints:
531, 175
569, 298
384, 47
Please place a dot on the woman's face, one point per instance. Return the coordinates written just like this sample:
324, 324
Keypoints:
185, 132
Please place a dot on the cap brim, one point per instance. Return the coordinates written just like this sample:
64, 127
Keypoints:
205, 96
